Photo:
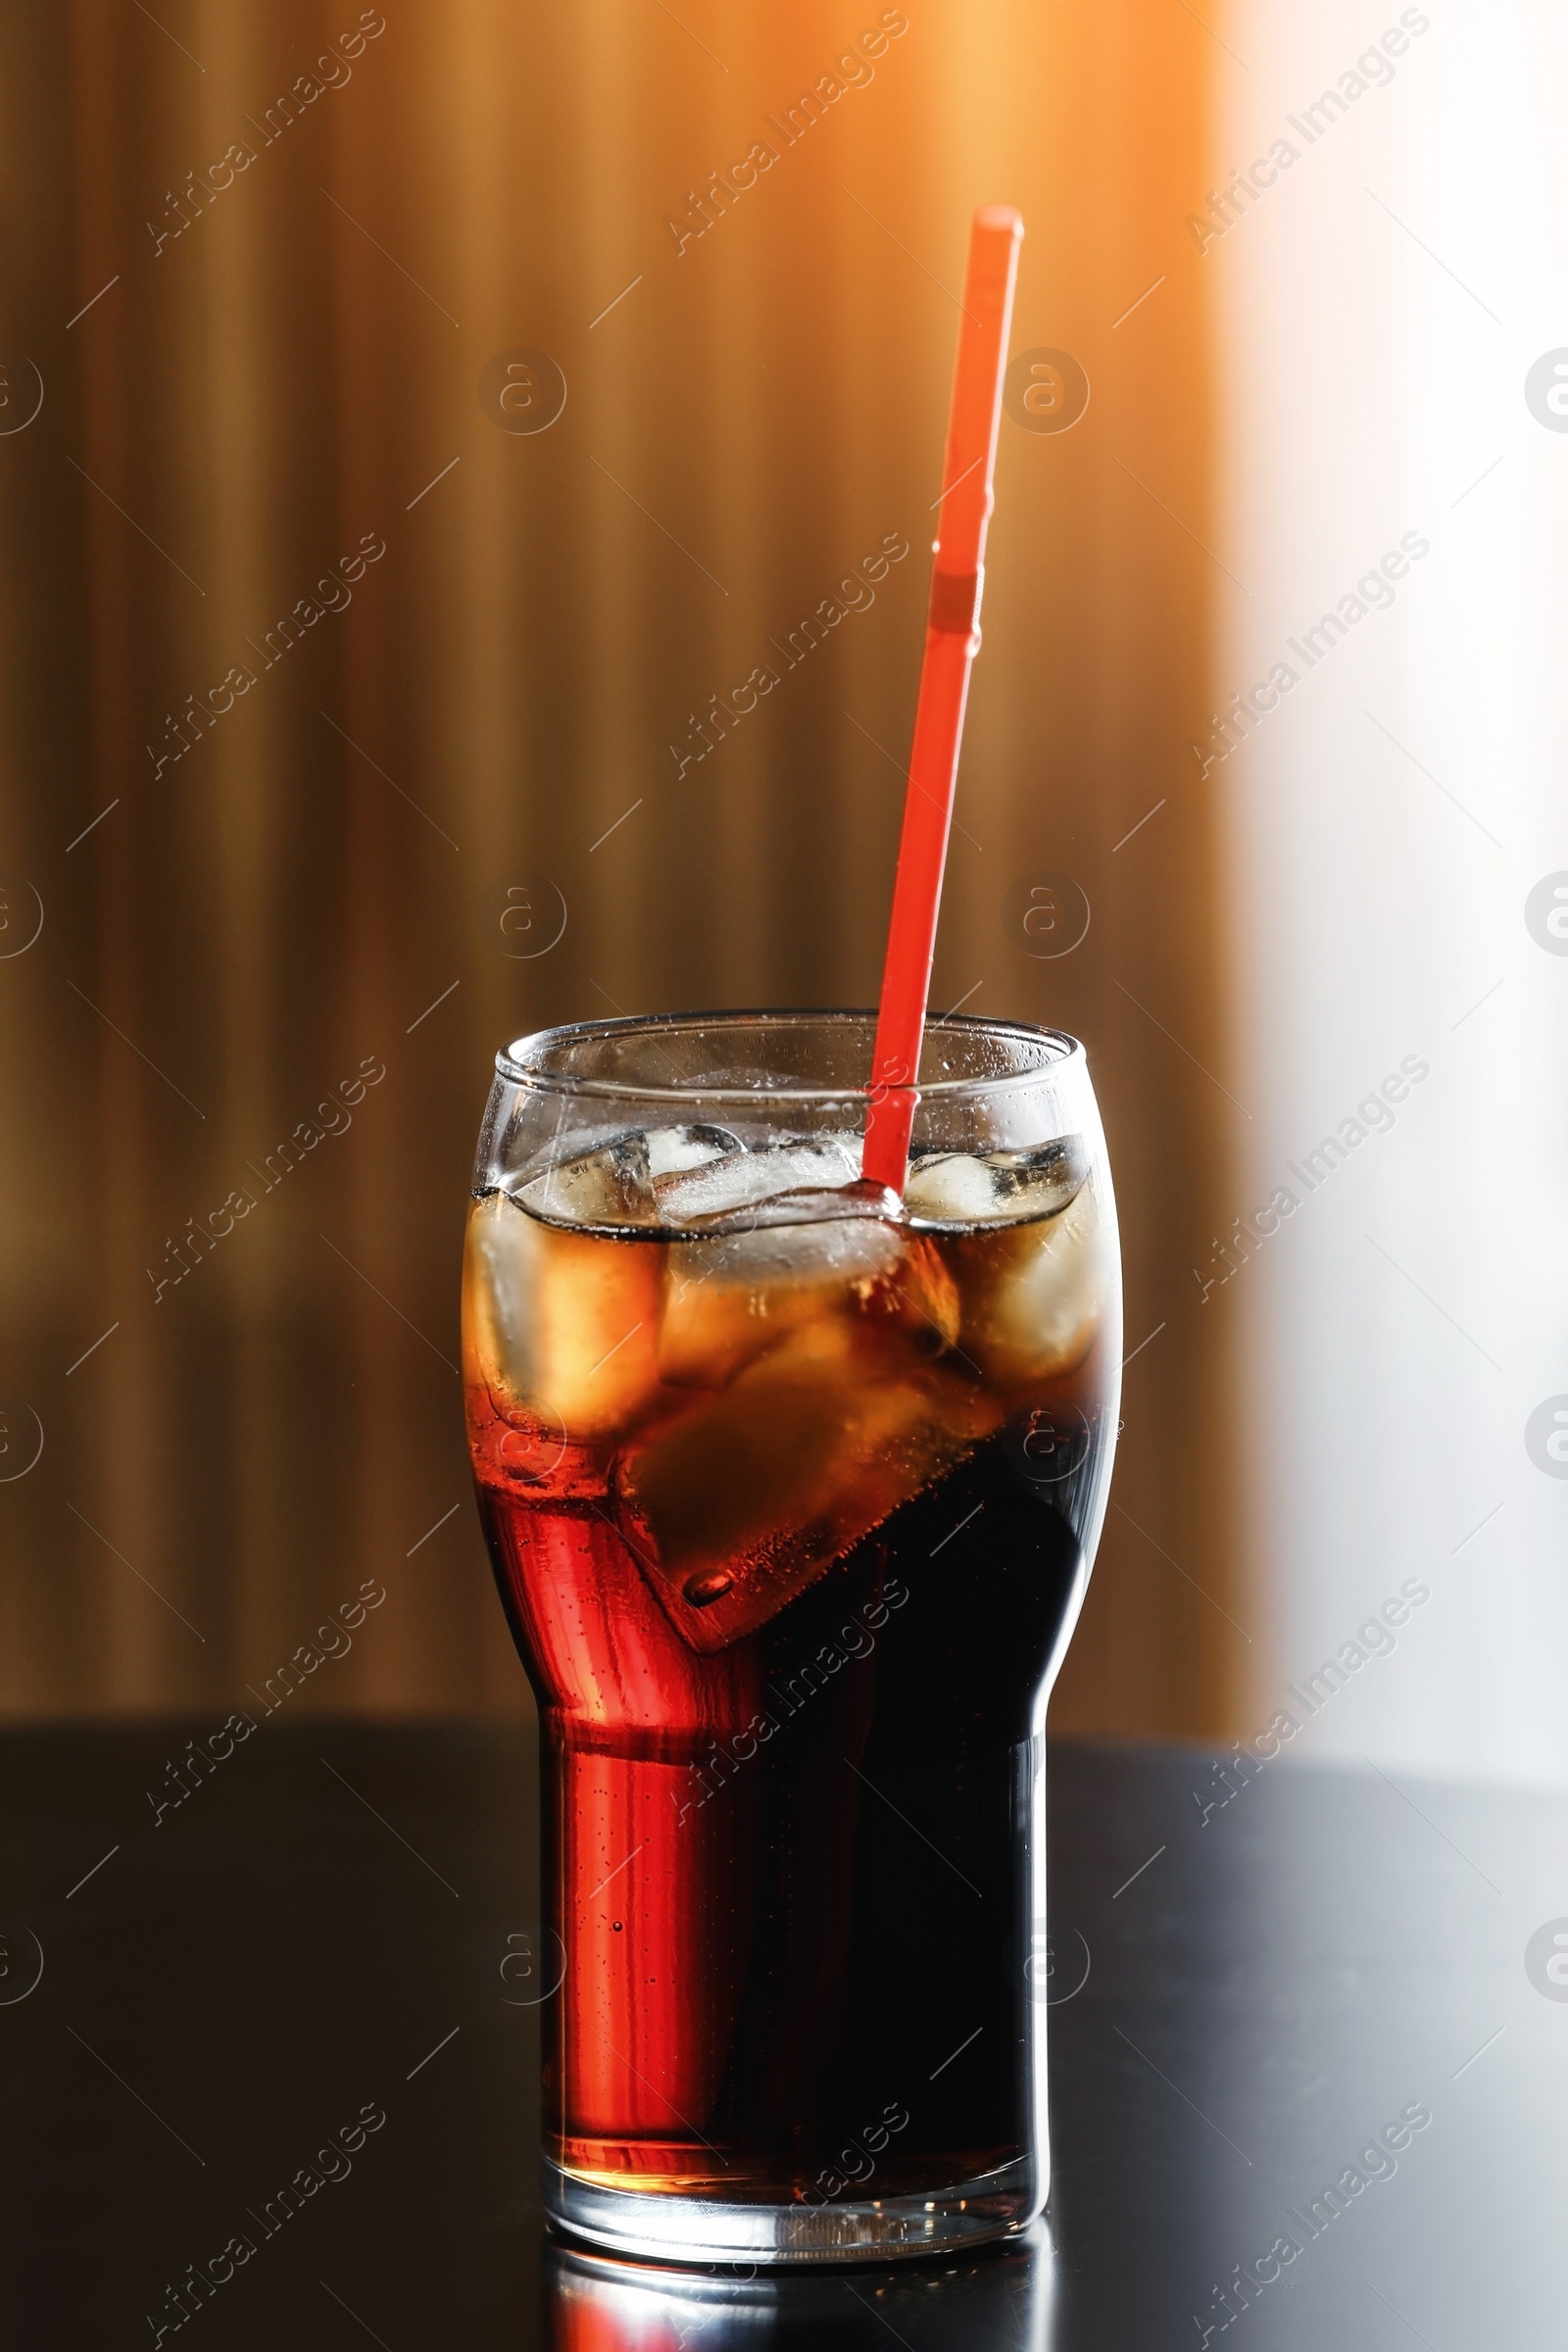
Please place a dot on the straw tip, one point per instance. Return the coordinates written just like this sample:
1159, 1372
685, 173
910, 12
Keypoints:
1003, 218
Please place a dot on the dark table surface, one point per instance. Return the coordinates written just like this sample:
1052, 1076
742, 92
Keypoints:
315, 1938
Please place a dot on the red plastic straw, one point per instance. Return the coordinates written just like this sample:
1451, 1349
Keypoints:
952, 641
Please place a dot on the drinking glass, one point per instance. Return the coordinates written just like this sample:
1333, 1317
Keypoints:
792, 1489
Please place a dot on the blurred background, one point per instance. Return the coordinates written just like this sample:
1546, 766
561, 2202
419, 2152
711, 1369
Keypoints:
414, 419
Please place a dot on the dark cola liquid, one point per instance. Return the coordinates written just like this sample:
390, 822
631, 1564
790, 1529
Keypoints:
794, 1878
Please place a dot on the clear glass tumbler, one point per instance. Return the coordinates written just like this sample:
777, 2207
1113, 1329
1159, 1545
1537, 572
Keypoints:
792, 1491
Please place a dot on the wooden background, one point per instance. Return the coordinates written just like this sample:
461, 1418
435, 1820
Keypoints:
313, 882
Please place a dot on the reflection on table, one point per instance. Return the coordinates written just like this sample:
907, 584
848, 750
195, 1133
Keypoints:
998, 2298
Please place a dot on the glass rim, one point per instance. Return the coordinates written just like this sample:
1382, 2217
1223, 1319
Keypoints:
1066, 1056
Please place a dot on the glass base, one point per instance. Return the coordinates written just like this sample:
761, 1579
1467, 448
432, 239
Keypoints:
689, 2229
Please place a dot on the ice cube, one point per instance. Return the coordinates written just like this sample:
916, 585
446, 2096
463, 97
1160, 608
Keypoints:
1033, 1295
737, 1184
737, 1505
610, 1187
619, 1184
561, 1327
730, 1298
807, 1205
673, 1149
995, 1187
950, 1188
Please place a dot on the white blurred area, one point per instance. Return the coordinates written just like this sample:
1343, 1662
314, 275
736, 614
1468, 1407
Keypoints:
1380, 307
